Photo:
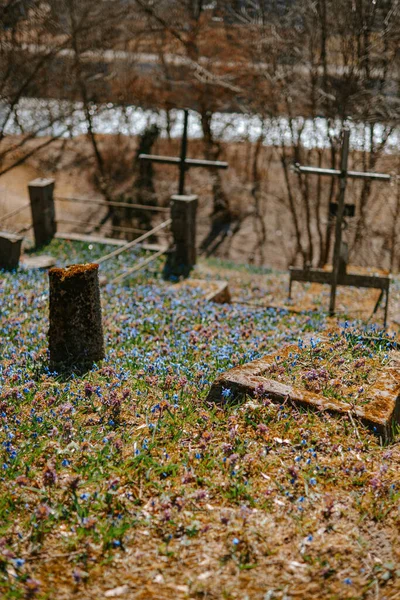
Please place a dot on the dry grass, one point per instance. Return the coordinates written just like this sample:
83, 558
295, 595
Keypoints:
125, 478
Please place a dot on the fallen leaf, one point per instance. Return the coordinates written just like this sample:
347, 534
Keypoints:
204, 575
281, 441
118, 591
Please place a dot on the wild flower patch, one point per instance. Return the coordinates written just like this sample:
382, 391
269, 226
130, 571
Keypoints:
124, 477
342, 365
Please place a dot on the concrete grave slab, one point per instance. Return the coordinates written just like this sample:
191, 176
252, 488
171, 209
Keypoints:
214, 291
10, 250
380, 414
43, 261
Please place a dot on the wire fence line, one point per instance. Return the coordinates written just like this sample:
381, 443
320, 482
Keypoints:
25, 228
15, 212
100, 203
132, 244
113, 227
139, 265
159, 229
144, 207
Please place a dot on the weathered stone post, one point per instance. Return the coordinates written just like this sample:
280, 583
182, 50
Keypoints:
183, 215
76, 331
43, 211
10, 250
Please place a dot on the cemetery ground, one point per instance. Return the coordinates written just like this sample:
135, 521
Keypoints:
124, 482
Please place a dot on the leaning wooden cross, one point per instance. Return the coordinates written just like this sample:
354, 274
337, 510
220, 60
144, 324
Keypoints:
183, 207
183, 162
338, 275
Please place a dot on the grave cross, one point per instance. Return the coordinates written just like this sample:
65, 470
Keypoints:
183, 162
343, 173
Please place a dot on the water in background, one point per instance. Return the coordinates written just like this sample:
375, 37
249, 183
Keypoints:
67, 119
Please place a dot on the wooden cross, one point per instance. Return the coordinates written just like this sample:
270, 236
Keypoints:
339, 275
183, 162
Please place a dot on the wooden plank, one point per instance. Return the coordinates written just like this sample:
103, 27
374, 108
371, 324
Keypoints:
41, 261
103, 204
348, 279
90, 239
310, 275
189, 162
337, 173
365, 281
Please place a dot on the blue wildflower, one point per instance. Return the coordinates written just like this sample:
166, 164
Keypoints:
19, 562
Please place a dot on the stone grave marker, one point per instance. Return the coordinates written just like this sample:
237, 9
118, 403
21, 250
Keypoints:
76, 331
10, 250
378, 407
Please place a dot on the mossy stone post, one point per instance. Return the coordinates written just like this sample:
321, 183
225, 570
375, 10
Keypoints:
41, 194
76, 332
10, 250
183, 215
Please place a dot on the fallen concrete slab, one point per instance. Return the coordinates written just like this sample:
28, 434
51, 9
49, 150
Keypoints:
381, 413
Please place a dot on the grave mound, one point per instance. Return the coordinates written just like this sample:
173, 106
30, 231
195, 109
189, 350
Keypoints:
343, 373
339, 367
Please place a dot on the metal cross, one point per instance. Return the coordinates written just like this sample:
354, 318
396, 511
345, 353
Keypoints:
343, 173
182, 162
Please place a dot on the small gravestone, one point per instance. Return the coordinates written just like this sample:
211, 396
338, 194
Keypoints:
378, 406
76, 332
10, 250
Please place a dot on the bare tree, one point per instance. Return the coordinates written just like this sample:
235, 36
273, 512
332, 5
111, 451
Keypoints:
335, 61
